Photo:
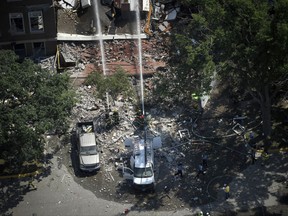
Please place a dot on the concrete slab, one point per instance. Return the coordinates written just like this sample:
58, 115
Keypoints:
79, 37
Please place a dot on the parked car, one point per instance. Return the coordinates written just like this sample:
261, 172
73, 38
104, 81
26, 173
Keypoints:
87, 147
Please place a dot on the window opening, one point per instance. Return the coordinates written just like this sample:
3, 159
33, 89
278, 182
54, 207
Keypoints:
36, 21
39, 49
20, 50
16, 23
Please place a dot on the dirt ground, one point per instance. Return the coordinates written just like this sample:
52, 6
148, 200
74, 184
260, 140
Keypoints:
211, 133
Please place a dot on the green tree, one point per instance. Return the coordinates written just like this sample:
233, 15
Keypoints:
32, 102
191, 61
249, 45
115, 84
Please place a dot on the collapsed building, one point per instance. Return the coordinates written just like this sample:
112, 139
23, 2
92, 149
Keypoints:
67, 28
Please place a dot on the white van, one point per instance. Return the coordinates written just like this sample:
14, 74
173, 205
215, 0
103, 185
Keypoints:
141, 169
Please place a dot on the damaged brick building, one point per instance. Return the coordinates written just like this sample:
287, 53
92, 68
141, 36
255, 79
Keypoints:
28, 27
34, 28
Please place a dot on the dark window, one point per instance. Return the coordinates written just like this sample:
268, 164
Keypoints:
39, 49
16, 23
20, 50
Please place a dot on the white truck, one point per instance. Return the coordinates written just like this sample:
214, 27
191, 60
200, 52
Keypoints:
87, 147
141, 169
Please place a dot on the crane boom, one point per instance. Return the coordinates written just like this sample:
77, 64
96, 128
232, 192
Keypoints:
148, 20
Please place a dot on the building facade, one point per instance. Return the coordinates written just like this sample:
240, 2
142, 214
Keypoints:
28, 27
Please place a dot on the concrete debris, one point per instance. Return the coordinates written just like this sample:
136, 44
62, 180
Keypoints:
68, 4
238, 129
88, 106
172, 14
162, 27
47, 63
85, 3
184, 134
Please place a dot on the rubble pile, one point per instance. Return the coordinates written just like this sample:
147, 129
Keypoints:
87, 106
47, 63
90, 108
79, 56
86, 57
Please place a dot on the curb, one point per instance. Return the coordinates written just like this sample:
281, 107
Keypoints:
23, 175
39, 171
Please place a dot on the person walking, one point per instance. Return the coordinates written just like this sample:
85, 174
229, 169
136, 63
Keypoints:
31, 185
251, 135
179, 170
200, 171
252, 155
204, 160
227, 191
265, 157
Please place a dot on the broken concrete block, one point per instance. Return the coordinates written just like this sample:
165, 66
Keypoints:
162, 27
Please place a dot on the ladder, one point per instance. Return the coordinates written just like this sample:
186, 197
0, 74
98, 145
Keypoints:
149, 150
147, 25
136, 146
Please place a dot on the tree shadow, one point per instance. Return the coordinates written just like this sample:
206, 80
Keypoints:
13, 190
279, 128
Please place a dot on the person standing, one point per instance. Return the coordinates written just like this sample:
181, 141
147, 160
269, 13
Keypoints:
204, 160
251, 135
227, 191
200, 171
31, 185
179, 170
265, 157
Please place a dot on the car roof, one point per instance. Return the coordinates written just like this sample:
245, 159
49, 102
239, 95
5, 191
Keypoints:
87, 139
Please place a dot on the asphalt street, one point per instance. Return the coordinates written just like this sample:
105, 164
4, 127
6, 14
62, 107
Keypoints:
58, 194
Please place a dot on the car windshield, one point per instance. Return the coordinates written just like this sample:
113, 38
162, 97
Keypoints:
143, 172
88, 150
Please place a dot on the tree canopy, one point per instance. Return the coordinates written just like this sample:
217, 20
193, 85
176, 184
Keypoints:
247, 41
115, 84
191, 61
32, 102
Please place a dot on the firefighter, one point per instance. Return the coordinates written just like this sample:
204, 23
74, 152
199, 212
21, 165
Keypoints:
227, 191
265, 156
198, 104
